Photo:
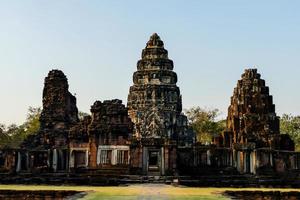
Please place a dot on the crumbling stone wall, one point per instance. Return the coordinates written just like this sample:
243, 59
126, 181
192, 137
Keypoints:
110, 122
78, 133
110, 125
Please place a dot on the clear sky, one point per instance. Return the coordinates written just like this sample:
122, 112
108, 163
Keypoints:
97, 45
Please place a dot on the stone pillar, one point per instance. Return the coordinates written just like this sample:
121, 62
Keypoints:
245, 162
98, 156
93, 152
71, 159
87, 158
54, 160
67, 165
271, 159
253, 162
18, 168
114, 154
174, 158
162, 160
238, 161
27, 161
140, 157
230, 158
208, 155
145, 160
48, 158
258, 157
167, 164
234, 158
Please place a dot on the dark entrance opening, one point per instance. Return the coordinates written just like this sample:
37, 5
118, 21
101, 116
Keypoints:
24, 161
2, 159
62, 160
80, 159
153, 160
40, 159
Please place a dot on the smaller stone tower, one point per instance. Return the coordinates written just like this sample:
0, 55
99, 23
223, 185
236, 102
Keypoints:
252, 119
59, 105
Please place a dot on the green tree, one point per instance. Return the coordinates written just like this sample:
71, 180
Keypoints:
32, 123
291, 125
11, 130
13, 135
4, 138
81, 115
204, 122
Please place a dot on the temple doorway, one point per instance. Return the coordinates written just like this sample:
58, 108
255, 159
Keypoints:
62, 160
24, 161
39, 161
153, 161
79, 158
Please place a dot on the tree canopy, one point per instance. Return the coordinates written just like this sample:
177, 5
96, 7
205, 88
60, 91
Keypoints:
291, 125
13, 135
81, 115
205, 124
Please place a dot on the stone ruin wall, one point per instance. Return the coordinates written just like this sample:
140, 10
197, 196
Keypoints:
110, 125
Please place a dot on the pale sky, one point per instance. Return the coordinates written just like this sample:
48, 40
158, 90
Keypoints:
98, 43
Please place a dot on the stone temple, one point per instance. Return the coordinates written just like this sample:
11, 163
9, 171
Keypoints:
154, 105
150, 136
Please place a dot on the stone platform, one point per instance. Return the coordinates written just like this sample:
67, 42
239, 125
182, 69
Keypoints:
239, 181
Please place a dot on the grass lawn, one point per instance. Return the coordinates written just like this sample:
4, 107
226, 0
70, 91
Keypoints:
145, 191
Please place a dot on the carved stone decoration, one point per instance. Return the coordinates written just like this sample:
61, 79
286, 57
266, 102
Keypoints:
153, 124
154, 100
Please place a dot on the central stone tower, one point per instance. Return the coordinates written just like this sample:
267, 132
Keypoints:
154, 106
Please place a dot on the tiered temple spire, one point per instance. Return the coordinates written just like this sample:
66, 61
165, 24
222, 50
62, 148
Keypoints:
154, 101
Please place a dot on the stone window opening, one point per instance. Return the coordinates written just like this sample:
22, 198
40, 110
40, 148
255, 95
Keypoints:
122, 157
105, 156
